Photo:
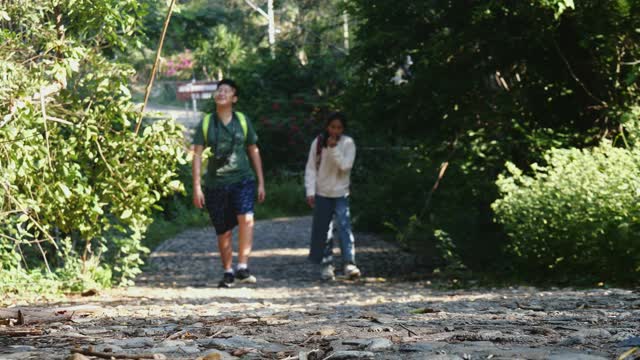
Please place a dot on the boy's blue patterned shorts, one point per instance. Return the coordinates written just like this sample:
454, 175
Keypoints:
224, 203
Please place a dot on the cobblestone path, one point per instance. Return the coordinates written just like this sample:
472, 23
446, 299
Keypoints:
176, 312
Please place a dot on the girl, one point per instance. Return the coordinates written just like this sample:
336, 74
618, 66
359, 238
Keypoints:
327, 186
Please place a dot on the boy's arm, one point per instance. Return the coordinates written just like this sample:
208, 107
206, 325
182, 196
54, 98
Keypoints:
198, 196
256, 162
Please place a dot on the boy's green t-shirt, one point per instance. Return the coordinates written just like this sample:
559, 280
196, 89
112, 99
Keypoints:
237, 166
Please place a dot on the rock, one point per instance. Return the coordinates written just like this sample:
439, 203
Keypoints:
248, 321
217, 355
417, 347
241, 342
375, 344
326, 332
131, 343
573, 340
175, 349
379, 344
23, 355
575, 356
212, 356
107, 348
169, 343
94, 331
629, 342
587, 333
347, 354
154, 331
21, 347
361, 343
76, 356
377, 328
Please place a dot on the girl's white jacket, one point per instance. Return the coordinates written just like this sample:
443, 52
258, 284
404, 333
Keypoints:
332, 179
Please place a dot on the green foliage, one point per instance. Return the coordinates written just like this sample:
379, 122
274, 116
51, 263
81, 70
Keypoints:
576, 216
221, 52
285, 197
77, 184
558, 6
176, 213
479, 83
290, 102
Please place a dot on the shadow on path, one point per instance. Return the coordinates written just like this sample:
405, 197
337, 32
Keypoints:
279, 257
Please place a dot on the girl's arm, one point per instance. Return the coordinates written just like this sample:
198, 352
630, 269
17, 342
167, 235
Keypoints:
310, 174
345, 155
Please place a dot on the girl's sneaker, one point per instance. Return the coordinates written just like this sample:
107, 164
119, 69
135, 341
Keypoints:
351, 271
328, 273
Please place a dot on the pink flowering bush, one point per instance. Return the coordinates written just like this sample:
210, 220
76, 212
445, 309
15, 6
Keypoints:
178, 66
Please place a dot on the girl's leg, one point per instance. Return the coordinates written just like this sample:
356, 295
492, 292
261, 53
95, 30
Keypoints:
327, 253
322, 212
343, 223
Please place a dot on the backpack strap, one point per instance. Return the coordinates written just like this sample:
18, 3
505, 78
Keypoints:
207, 119
243, 123
205, 128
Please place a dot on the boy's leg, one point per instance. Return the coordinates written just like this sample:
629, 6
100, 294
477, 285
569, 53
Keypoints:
245, 237
343, 224
224, 220
243, 198
322, 212
226, 250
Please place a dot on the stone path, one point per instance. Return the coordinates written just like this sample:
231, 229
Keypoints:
175, 311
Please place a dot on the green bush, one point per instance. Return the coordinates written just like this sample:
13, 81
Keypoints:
285, 197
577, 216
77, 183
450, 226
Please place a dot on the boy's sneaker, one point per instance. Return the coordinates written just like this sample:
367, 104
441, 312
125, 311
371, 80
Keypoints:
351, 271
328, 273
244, 276
227, 280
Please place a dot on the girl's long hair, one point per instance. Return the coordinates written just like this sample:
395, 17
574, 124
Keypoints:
333, 116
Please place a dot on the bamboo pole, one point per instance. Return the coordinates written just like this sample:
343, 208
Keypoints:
155, 64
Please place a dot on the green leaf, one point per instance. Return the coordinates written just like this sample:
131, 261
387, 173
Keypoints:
126, 214
65, 190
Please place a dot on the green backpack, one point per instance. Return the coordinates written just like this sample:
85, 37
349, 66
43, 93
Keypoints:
205, 131
207, 119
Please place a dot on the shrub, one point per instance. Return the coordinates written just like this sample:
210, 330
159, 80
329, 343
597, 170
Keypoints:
578, 216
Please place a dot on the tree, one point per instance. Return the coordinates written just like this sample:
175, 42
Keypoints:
76, 184
487, 82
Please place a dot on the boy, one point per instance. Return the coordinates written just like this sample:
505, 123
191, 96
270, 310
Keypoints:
230, 184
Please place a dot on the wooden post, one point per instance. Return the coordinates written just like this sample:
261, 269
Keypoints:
155, 64
272, 23
272, 29
345, 30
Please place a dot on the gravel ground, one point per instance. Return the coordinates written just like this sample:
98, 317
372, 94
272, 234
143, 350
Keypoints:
176, 312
